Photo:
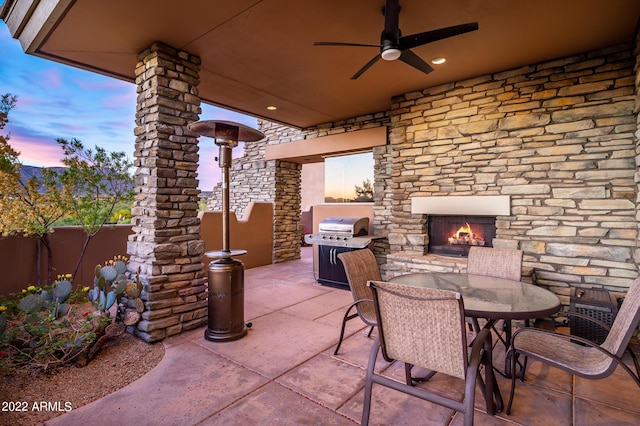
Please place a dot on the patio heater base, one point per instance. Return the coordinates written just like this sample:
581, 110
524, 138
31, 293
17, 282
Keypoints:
226, 301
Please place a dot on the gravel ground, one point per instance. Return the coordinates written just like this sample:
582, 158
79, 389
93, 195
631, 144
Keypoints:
119, 362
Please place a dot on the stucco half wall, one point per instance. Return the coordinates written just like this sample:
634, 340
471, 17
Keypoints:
254, 233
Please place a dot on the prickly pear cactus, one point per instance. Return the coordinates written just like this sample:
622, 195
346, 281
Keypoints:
31, 303
111, 284
55, 298
61, 290
34, 325
134, 289
46, 296
120, 262
61, 310
109, 273
120, 284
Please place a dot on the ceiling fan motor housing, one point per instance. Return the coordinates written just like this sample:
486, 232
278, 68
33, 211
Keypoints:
389, 50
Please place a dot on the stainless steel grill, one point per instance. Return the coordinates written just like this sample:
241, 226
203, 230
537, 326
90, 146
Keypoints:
351, 226
337, 235
348, 232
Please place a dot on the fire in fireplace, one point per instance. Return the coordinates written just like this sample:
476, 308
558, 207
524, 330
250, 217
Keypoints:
455, 235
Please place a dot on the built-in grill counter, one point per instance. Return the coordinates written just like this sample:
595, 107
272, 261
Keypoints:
337, 235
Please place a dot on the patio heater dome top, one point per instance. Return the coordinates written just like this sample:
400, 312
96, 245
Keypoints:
224, 131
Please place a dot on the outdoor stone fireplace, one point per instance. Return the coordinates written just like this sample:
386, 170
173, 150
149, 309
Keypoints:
454, 235
457, 223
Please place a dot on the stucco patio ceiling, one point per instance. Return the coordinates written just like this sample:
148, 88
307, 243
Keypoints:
257, 53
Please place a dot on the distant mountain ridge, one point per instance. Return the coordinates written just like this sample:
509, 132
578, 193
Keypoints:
27, 172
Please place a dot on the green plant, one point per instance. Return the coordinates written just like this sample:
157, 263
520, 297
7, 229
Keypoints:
123, 215
60, 291
46, 327
111, 285
94, 183
52, 326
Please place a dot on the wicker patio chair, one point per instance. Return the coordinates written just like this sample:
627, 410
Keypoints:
360, 266
425, 327
577, 355
499, 263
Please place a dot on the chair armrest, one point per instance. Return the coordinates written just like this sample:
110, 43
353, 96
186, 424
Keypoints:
570, 337
586, 342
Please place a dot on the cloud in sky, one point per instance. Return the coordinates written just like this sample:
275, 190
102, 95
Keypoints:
59, 101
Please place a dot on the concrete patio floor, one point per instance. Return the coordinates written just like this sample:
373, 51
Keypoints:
284, 373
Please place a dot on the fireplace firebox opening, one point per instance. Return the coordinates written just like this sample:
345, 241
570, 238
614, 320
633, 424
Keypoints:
455, 235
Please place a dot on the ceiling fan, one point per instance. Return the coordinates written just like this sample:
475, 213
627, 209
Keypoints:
395, 46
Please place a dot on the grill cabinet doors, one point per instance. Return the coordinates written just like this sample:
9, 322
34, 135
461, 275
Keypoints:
330, 268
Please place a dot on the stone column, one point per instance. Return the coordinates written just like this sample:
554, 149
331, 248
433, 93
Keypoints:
287, 236
166, 247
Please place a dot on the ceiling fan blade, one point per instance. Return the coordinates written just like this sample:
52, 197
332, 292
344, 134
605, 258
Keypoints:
410, 58
337, 43
366, 67
415, 40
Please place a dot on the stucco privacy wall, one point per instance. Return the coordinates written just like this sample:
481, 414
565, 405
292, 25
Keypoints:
557, 137
166, 247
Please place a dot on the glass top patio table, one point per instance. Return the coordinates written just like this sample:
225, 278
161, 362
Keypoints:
489, 297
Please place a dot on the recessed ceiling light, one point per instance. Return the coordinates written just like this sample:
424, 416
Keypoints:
272, 107
438, 61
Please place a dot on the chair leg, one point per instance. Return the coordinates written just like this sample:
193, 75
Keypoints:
407, 374
410, 379
524, 368
344, 323
514, 359
366, 408
635, 360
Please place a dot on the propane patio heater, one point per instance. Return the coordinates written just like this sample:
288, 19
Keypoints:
226, 275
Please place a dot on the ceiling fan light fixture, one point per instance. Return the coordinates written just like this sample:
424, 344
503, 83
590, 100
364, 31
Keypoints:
391, 54
438, 61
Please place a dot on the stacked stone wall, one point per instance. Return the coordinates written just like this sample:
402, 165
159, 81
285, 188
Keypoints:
166, 248
557, 137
